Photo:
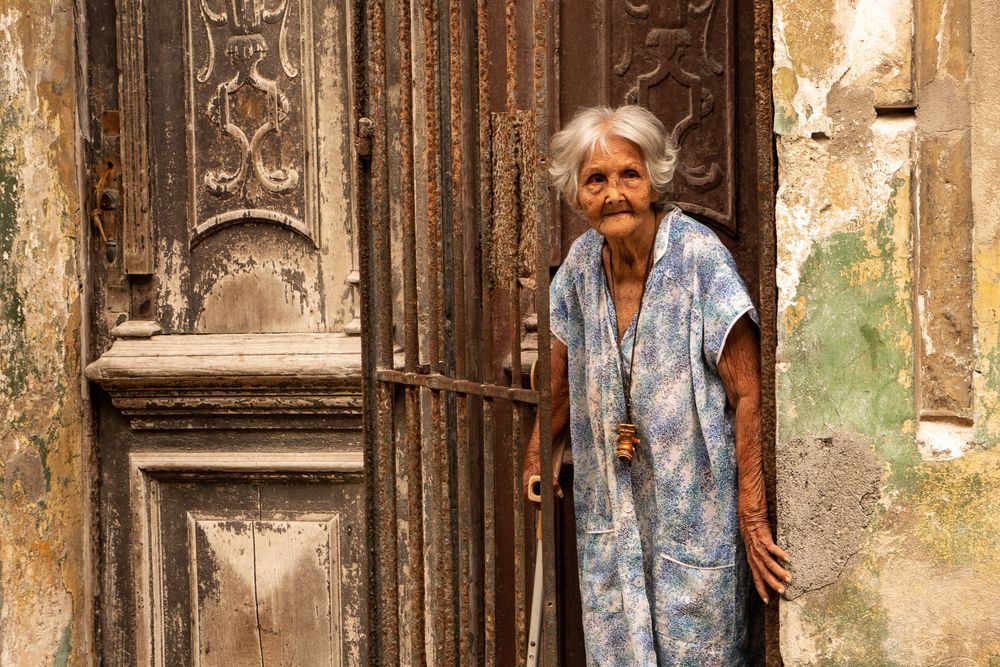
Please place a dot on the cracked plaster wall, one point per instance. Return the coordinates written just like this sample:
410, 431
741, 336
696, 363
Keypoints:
41, 499
896, 553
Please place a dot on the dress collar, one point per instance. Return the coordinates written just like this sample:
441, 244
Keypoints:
662, 240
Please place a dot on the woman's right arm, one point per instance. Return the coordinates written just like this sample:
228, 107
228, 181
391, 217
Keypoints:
559, 385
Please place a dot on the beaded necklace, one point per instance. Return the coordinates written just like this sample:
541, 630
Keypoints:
627, 439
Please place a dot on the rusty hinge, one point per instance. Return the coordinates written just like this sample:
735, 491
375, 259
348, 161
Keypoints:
366, 130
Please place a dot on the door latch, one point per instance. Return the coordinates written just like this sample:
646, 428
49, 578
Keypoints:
106, 200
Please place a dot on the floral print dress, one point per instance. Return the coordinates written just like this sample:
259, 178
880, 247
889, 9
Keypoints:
663, 578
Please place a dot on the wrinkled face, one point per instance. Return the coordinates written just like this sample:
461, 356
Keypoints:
615, 192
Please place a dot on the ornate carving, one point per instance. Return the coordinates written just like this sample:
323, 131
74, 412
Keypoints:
251, 115
689, 82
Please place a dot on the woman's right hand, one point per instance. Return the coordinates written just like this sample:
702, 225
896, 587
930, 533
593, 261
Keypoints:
532, 467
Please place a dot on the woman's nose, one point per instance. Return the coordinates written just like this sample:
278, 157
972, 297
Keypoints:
613, 192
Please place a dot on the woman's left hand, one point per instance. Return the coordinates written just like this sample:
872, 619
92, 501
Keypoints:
740, 371
762, 554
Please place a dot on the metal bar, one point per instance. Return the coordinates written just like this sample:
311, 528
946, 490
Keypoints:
432, 149
413, 466
384, 445
415, 524
538, 194
411, 346
444, 631
520, 583
444, 567
489, 537
472, 277
385, 459
373, 261
463, 464
363, 189
489, 584
510, 28
465, 616
517, 417
440, 382
453, 340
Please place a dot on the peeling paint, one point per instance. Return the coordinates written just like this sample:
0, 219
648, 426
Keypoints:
943, 441
40, 404
65, 647
986, 379
958, 519
846, 349
921, 584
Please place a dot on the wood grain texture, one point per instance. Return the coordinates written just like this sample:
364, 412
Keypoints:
298, 591
136, 225
225, 615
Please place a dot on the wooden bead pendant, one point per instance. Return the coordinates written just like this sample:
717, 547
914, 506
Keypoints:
627, 442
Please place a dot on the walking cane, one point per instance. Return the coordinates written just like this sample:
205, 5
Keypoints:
535, 496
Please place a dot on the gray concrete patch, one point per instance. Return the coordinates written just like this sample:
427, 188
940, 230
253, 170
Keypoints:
828, 487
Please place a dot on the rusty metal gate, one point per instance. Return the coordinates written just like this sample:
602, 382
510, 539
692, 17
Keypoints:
454, 258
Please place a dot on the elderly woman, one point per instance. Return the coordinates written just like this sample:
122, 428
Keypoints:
655, 370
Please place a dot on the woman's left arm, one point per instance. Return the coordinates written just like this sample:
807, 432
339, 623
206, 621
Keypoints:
740, 371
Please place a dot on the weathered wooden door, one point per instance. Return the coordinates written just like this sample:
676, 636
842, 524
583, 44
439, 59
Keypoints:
459, 242
225, 332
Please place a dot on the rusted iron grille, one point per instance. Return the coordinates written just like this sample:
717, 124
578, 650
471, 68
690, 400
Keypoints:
454, 257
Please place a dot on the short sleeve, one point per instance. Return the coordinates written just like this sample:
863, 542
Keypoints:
723, 300
565, 315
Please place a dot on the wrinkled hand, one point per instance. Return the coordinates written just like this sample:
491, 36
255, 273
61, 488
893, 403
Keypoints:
762, 553
532, 468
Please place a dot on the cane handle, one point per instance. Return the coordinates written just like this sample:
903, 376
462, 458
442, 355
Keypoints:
535, 488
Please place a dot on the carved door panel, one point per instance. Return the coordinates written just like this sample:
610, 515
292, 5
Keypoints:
245, 570
249, 164
225, 345
692, 64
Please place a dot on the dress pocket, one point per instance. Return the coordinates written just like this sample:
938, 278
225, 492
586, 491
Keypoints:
600, 585
695, 603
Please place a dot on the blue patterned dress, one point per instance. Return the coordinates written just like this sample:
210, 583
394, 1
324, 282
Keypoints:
662, 571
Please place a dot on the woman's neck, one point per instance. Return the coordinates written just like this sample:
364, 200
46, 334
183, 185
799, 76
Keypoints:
631, 253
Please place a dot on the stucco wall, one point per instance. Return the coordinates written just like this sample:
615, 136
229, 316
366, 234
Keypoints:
985, 119
895, 543
41, 502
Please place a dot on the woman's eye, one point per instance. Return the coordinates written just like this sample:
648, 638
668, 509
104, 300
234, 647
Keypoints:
596, 178
631, 173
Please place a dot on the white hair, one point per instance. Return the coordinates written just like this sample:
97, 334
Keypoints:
591, 128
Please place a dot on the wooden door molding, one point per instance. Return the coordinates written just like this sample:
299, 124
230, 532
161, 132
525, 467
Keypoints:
234, 381
253, 153
136, 216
